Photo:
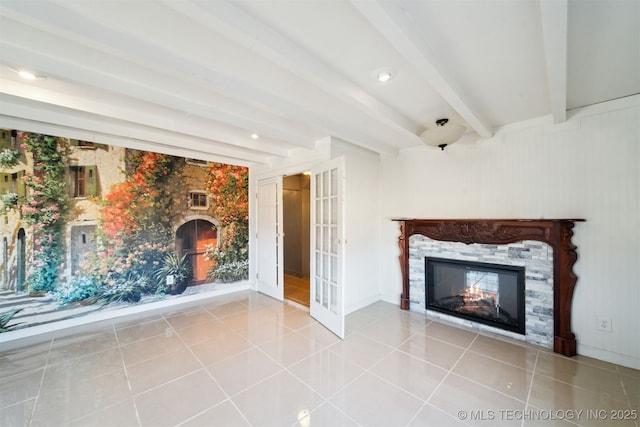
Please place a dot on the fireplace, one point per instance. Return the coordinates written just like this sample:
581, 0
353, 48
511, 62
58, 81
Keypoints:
556, 233
492, 294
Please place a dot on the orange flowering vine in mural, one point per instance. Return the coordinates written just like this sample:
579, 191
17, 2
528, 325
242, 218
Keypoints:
137, 202
228, 187
117, 219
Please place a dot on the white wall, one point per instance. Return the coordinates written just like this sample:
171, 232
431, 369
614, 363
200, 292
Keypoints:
361, 225
585, 168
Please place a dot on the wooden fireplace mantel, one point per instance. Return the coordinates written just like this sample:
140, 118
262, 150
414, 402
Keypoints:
555, 232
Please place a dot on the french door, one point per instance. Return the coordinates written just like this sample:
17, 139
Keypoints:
327, 293
270, 271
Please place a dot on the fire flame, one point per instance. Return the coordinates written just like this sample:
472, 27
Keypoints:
474, 293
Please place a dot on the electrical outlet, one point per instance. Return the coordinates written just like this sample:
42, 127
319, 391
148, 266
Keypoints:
604, 324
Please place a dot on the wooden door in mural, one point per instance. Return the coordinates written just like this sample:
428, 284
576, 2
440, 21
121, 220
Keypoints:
193, 238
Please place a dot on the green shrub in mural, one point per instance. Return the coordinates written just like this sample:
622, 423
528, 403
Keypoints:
127, 288
6, 317
79, 288
9, 158
9, 201
45, 208
230, 272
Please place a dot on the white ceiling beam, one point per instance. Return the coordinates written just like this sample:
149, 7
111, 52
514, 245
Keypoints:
50, 93
54, 116
110, 44
233, 22
58, 130
554, 16
390, 20
98, 63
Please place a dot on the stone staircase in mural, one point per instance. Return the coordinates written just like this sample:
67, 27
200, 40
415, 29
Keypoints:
39, 310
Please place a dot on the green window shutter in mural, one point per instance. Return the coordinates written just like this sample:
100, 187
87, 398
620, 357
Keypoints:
5, 183
91, 173
21, 187
5, 139
13, 183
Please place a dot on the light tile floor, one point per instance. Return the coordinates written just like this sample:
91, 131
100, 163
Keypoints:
248, 360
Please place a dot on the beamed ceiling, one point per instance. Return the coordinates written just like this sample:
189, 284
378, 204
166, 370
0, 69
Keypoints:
198, 78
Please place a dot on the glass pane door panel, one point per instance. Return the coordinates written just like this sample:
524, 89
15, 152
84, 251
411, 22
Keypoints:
325, 265
325, 184
319, 211
325, 293
334, 182
325, 211
318, 185
325, 239
333, 298
318, 238
318, 286
334, 240
334, 211
334, 269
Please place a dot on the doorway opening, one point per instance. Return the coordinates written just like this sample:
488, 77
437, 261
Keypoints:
296, 212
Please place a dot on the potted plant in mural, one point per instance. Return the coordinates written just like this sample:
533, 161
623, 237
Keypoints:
45, 209
174, 273
228, 186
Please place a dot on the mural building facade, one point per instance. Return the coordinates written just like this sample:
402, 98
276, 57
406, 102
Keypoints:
97, 223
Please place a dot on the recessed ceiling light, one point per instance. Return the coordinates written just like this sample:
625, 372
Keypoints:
27, 75
384, 74
255, 136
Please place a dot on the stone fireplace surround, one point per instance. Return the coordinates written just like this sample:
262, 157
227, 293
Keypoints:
479, 238
535, 257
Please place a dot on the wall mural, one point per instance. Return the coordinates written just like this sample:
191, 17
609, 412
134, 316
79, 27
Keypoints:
93, 225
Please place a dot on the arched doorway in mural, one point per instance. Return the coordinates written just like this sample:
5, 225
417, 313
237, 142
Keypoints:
22, 260
192, 238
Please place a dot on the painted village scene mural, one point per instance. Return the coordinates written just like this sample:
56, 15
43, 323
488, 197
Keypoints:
86, 226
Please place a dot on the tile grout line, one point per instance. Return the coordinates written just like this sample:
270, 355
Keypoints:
44, 372
533, 375
126, 374
449, 372
210, 375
